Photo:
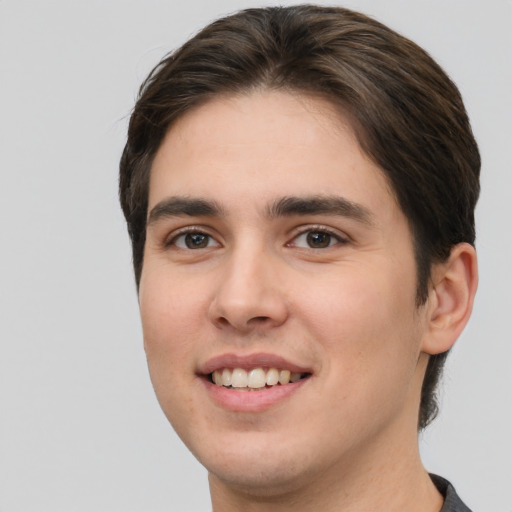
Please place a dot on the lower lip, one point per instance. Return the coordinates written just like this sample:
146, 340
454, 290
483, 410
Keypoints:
251, 401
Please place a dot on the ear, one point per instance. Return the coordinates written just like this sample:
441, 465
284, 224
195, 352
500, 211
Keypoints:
454, 284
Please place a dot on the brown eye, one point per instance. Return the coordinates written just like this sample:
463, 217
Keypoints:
194, 240
318, 239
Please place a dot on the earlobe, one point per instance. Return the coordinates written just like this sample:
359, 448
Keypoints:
454, 284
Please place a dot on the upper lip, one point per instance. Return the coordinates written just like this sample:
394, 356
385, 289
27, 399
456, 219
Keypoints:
250, 361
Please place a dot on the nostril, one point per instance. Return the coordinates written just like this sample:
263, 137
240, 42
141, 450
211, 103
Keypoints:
255, 321
240, 308
259, 319
223, 321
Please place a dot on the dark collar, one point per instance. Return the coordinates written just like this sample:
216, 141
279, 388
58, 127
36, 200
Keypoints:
452, 503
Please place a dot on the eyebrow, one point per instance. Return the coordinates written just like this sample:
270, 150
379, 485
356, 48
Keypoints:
320, 205
184, 206
282, 207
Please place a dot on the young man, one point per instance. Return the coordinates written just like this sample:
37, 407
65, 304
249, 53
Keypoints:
299, 185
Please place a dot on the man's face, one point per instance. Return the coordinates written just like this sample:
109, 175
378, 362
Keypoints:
274, 244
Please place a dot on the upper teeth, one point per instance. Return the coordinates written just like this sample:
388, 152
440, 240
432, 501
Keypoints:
254, 379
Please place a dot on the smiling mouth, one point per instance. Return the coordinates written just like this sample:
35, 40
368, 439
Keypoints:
257, 379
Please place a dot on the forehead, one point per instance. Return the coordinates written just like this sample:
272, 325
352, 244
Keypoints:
265, 144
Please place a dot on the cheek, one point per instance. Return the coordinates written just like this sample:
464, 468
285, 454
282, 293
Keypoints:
366, 326
356, 299
170, 317
168, 321
169, 308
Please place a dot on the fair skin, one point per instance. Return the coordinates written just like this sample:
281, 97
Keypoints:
274, 242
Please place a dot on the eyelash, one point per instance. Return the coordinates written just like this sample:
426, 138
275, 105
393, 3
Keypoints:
339, 240
188, 231
305, 231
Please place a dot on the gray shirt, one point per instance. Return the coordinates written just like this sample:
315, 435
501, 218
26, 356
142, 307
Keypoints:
452, 503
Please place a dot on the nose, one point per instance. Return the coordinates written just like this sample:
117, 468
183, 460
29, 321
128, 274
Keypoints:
249, 294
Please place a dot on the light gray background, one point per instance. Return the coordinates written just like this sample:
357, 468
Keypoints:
80, 429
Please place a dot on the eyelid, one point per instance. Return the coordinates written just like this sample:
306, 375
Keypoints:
343, 238
170, 240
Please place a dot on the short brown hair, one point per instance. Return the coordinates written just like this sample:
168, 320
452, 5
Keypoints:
407, 114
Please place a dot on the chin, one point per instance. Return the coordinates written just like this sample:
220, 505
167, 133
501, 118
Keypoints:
259, 469
262, 479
